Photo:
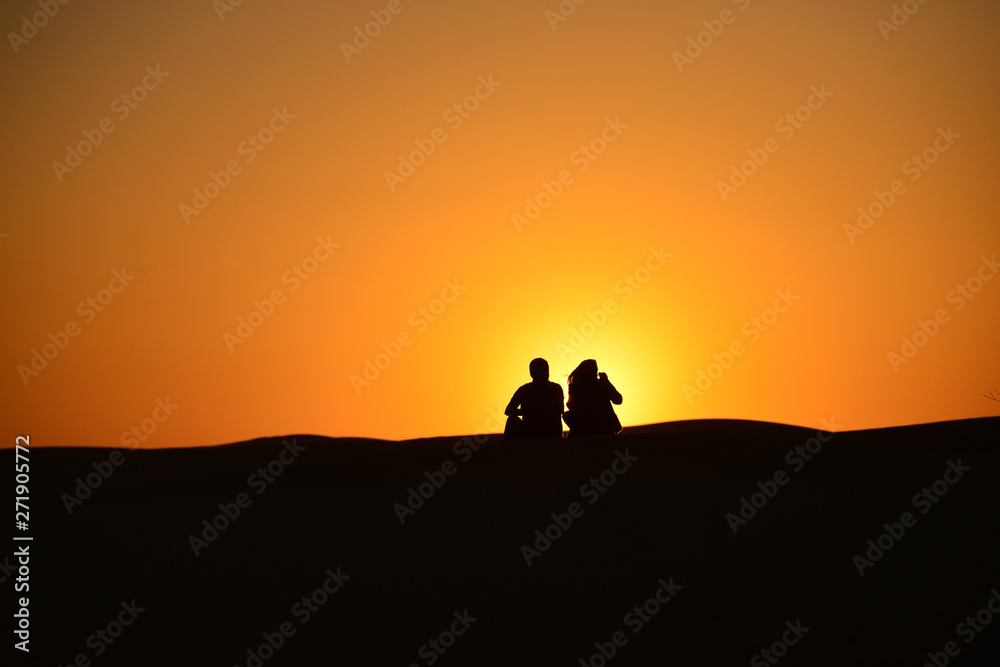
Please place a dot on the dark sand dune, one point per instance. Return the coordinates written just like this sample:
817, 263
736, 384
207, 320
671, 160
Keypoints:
662, 517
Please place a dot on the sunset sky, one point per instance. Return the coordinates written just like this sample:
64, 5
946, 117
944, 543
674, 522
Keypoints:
404, 220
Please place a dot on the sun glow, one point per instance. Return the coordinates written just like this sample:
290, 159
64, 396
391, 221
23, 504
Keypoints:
555, 201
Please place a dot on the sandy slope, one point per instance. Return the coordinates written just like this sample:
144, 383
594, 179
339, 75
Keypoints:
663, 520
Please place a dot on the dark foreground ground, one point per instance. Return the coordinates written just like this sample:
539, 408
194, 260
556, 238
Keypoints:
118, 582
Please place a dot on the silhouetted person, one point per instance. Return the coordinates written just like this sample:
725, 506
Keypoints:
589, 411
535, 410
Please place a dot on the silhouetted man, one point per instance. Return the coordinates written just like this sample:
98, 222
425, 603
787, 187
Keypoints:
535, 411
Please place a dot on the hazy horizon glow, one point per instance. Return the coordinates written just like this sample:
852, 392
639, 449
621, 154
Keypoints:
285, 227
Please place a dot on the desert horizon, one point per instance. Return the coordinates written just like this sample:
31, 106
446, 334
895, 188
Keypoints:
713, 425
714, 542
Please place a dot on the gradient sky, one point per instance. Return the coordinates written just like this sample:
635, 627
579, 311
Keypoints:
629, 124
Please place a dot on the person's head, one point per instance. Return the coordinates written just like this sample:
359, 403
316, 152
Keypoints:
586, 371
539, 370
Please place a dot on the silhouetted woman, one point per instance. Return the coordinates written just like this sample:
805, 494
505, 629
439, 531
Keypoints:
591, 394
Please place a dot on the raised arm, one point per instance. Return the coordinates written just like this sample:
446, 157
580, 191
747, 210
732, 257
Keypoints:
613, 393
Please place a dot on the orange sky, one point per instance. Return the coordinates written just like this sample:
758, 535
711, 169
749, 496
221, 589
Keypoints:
231, 157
